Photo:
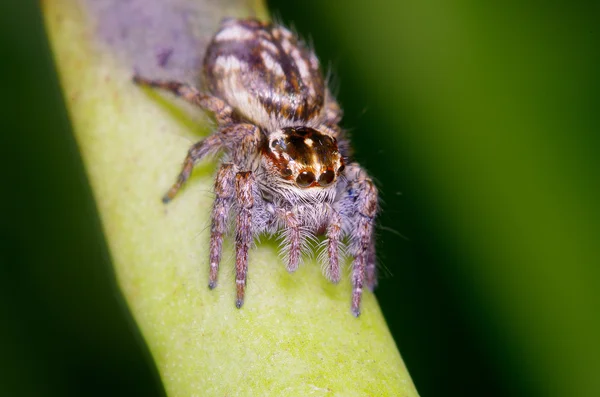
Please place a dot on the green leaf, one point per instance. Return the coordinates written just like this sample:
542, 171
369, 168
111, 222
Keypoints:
295, 335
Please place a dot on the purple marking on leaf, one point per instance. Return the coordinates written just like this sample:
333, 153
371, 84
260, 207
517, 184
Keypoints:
163, 56
177, 30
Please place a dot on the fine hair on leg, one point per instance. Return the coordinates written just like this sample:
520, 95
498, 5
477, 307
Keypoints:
224, 195
223, 113
243, 231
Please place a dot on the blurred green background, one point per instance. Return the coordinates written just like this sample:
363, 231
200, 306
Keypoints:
480, 123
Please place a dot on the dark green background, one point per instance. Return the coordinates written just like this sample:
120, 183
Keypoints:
480, 123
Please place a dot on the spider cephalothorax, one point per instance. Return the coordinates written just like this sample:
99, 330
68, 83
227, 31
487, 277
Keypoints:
287, 167
304, 155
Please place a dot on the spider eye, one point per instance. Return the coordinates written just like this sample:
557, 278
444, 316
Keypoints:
277, 144
286, 172
341, 169
326, 178
305, 178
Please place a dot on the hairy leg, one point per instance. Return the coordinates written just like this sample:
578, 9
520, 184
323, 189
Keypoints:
293, 238
225, 193
334, 233
359, 208
207, 146
223, 112
240, 139
367, 209
243, 231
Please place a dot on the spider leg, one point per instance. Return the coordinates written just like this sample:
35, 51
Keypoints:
293, 238
359, 206
223, 112
224, 192
367, 209
244, 182
334, 233
199, 150
241, 140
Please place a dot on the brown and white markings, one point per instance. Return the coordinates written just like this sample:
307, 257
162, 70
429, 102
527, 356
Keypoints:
287, 166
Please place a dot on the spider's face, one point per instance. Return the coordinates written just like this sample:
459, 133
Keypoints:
305, 155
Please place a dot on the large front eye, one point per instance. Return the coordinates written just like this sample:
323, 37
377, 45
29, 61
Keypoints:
326, 178
305, 178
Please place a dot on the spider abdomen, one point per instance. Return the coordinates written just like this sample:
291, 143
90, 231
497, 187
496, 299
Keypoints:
265, 73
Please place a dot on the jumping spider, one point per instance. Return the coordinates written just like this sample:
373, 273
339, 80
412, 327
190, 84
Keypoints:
287, 165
